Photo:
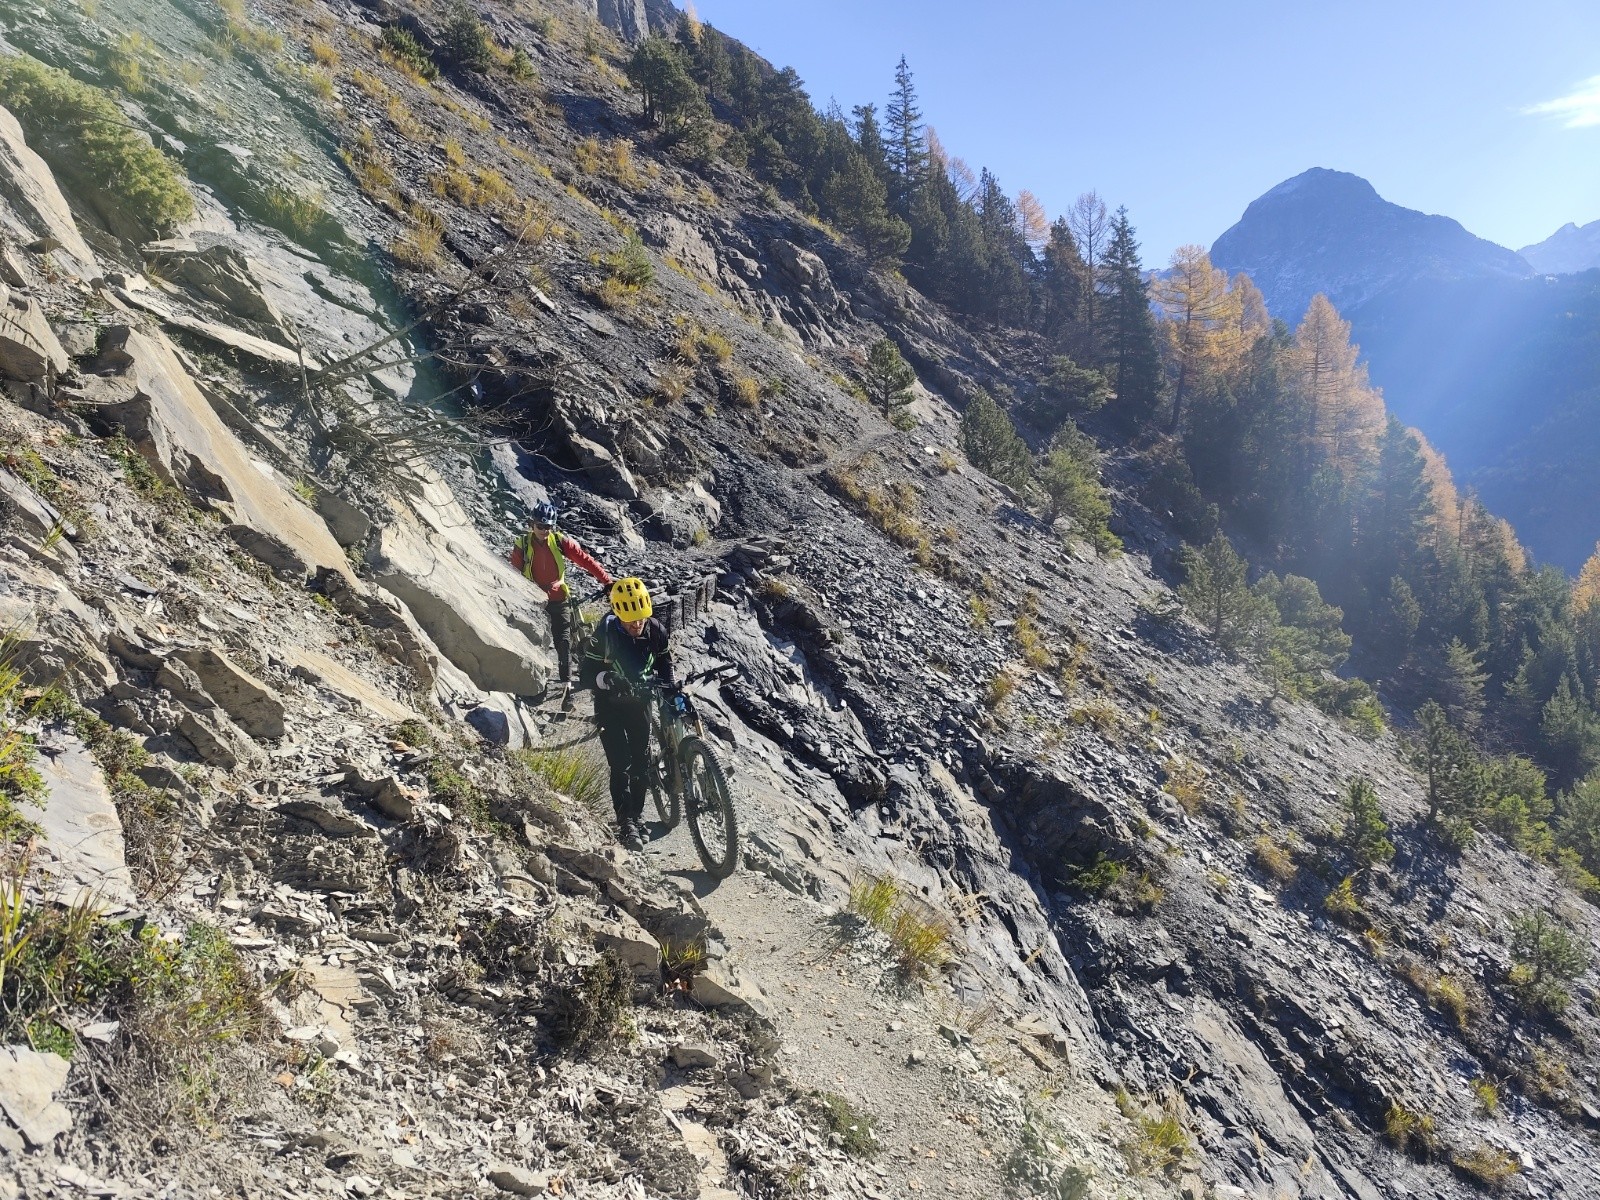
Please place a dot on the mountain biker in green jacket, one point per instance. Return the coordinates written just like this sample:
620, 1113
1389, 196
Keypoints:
542, 555
629, 658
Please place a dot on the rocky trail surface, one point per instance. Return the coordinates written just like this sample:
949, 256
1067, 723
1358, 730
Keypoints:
363, 928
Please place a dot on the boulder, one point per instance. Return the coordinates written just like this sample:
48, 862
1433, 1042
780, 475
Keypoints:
482, 616
219, 274
719, 987
29, 349
253, 706
272, 552
163, 412
393, 630
801, 266
32, 206
23, 508
59, 640
215, 738
629, 941
275, 357
80, 852
29, 1082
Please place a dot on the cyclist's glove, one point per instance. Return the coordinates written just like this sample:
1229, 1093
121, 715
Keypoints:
679, 702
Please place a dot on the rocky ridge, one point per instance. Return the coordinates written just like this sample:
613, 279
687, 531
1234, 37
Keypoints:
430, 929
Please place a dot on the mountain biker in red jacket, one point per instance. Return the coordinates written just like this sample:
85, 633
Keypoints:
542, 555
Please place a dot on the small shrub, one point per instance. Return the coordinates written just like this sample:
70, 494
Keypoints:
1031, 642
1488, 1095
594, 1007
631, 264
1185, 783
323, 53
1364, 833
852, 1126
450, 787
1097, 877
466, 40
1342, 904
1274, 861
1547, 957
1410, 1132
1101, 715
979, 611
998, 690
84, 136
400, 49
1159, 1142
1487, 1166
1450, 997
746, 392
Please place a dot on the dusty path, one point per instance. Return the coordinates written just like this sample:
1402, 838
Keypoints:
944, 1110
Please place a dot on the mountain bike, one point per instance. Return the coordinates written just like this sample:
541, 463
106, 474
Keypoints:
580, 624
688, 778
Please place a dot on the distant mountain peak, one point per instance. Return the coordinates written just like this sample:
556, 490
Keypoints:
1321, 181
1330, 231
1568, 250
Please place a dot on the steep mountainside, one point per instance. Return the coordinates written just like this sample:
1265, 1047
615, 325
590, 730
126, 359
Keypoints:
1569, 249
363, 926
1330, 232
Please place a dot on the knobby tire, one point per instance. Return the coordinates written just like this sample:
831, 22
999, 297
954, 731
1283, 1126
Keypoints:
713, 825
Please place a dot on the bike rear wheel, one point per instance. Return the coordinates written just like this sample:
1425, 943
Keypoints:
668, 800
713, 825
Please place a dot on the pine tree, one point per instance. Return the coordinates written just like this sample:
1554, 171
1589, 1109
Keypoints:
1216, 589
1070, 477
907, 152
991, 442
1365, 832
1448, 765
1065, 287
1459, 688
672, 99
1131, 358
888, 378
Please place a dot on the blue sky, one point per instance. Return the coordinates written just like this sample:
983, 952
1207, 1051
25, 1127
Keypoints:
1187, 111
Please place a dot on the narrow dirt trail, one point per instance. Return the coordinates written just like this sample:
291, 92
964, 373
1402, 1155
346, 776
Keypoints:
943, 1106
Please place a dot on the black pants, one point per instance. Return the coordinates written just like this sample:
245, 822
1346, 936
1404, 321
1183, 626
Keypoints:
560, 630
625, 735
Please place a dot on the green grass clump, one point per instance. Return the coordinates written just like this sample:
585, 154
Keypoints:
921, 941
572, 771
178, 998
86, 139
856, 1130
1159, 1141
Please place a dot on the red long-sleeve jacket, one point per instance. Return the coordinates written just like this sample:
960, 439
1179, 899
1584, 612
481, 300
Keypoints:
541, 567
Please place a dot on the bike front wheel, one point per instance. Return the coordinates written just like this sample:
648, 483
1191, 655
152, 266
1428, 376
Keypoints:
713, 825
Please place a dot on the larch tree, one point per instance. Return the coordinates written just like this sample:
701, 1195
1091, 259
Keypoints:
1447, 509
1033, 226
1197, 304
1091, 227
1587, 590
1325, 361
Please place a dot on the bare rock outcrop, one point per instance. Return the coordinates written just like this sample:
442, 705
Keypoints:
32, 207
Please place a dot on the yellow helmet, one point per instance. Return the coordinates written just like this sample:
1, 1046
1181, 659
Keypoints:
630, 599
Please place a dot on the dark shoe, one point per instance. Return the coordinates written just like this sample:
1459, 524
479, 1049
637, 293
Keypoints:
632, 835
566, 697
